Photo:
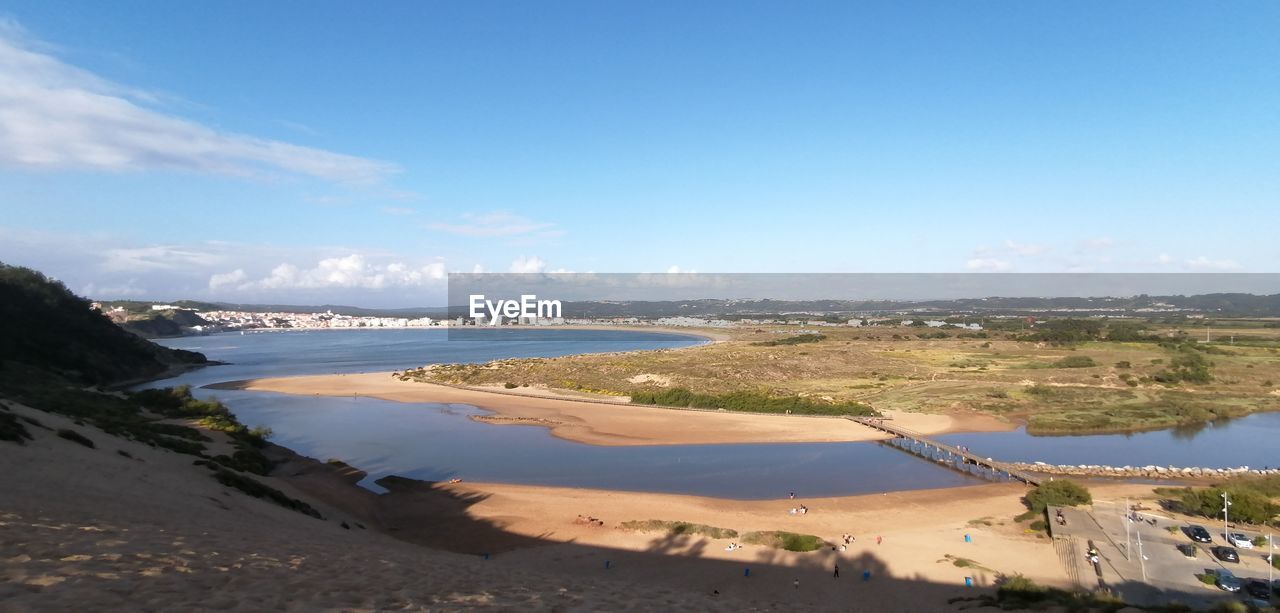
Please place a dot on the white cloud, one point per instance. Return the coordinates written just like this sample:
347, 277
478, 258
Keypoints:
530, 264
497, 224
1203, 263
1164, 259
1098, 242
477, 269
56, 116
350, 271
675, 270
988, 265
157, 257
227, 279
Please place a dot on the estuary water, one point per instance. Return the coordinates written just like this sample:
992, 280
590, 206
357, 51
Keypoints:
433, 441
438, 441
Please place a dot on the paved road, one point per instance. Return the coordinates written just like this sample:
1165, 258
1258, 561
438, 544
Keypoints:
1168, 573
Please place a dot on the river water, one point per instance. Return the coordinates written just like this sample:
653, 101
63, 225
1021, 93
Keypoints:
438, 441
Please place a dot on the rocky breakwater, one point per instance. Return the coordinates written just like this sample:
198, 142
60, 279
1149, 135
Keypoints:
1143, 472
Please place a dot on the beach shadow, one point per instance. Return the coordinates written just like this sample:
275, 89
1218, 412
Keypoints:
436, 515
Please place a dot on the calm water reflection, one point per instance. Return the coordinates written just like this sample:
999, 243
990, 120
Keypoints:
434, 441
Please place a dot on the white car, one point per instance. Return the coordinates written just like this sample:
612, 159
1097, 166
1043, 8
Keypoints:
1240, 540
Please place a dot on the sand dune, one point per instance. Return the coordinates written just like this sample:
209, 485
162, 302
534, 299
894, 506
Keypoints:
88, 528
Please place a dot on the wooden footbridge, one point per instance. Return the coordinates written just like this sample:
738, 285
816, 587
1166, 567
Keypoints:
948, 455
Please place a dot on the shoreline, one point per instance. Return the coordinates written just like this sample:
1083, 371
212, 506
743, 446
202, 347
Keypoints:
543, 526
597, 422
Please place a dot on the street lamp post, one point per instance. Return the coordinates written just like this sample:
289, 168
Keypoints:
1226, 504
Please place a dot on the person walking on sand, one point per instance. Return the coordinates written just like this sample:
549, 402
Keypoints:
879, 539
837, 572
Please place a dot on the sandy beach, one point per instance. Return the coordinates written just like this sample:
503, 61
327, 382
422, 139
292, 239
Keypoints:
74, 535
599, 422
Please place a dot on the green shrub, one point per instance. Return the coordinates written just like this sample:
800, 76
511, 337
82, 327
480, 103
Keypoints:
256, 489
1123, 364
509, 385
1075, 361
792, 340
679, 527
1248, 504
12, 430
789, 541
754, 402
1057, 493
1040, 389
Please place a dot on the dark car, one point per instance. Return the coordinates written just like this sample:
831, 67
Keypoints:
1226, 581
1258, 589
1226, 554
1199, 534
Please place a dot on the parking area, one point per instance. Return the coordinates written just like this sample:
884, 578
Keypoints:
1157, 570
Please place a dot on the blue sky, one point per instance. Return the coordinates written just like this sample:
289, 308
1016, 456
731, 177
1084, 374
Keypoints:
345, 152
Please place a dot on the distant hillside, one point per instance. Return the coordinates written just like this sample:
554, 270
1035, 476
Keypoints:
163, 324
46, 328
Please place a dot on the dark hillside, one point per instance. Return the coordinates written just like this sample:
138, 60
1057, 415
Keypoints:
46, 328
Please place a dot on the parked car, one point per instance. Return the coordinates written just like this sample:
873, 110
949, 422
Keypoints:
1199, 534
1239, 539
1227, 582
1258, 589
1226, 554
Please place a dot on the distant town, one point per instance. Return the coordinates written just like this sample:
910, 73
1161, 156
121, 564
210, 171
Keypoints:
188, 321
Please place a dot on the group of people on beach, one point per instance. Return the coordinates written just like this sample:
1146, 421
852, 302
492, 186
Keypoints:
800, 510
590, 521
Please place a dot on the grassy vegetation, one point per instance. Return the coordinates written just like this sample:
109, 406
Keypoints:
1141, 376
1253, 499
1077, 410
45, 326
142, 417
256, 489
754, 402
960, 562
1018, 593
679, 527
791, 340
789, 541
1056, 493
1075, 361
11, 429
